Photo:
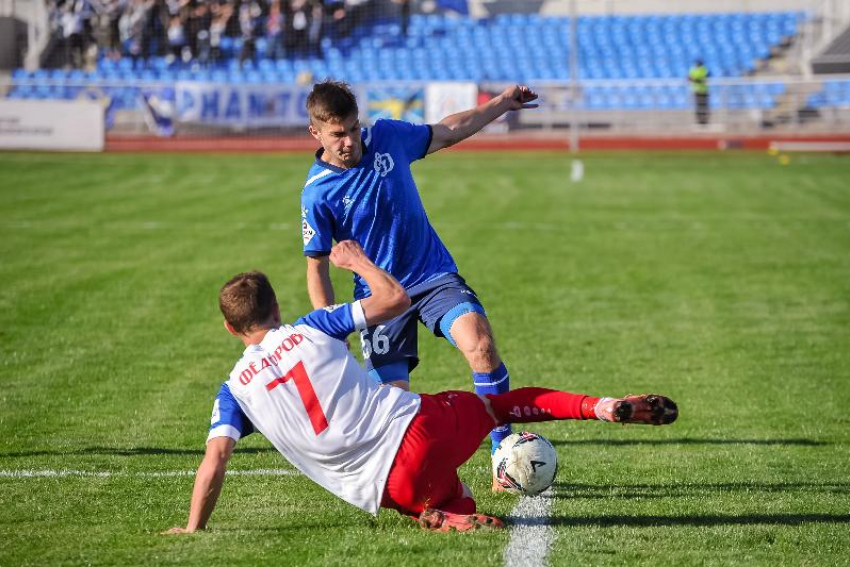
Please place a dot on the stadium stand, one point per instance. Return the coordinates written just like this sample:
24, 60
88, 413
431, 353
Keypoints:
451, 48
836, 92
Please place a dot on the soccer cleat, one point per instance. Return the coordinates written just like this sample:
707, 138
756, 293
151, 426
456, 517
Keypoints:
439, 521
651, 409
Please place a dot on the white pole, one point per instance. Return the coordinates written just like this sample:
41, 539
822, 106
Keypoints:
577, 166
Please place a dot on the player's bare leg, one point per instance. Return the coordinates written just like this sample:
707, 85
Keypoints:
473, 336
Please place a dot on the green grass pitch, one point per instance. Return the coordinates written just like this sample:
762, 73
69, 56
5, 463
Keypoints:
720, 279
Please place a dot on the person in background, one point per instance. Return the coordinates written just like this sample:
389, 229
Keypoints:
698, 78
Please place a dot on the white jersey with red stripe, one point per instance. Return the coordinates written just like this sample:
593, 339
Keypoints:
301, 388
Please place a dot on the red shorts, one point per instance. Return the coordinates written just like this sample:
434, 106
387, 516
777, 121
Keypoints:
444, 434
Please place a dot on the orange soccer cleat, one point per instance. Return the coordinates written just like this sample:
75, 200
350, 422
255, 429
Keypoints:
651, 409
439, 521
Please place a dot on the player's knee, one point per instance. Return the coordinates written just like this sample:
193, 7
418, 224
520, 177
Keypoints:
480, 345
480, 349
471, 333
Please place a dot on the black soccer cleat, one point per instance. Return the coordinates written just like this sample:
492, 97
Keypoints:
649, 409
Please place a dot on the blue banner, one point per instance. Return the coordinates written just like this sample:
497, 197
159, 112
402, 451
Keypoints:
247, 106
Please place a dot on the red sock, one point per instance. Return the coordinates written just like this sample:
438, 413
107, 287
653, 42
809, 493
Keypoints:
527, 405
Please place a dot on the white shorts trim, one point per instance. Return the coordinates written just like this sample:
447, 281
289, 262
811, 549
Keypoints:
224, 431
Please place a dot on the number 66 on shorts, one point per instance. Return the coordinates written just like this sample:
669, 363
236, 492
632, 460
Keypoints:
377, 343
392, 343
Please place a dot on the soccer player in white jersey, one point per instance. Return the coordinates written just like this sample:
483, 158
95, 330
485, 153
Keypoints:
370, 445
361, 187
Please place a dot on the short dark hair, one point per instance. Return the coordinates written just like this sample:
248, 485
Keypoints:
247, 301
331, 101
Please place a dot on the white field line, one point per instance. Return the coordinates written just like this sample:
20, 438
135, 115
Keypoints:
47, 473
532, 534
58, 473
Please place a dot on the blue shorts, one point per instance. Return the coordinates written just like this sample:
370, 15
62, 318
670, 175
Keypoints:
446, 297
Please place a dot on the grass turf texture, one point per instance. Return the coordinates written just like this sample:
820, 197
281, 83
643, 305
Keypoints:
722, 280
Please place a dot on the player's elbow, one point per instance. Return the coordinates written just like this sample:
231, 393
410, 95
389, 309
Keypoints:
398, 302
447, 135
218, 453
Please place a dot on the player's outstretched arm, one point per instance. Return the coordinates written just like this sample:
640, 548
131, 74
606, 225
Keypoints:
319, 286
208, 482
457, 127
388, 299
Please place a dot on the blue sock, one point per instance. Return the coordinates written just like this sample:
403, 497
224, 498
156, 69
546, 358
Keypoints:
496, 382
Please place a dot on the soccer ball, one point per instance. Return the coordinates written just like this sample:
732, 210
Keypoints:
525, 463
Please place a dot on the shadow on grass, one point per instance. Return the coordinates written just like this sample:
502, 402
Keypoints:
707, 520
133, 452
690, 441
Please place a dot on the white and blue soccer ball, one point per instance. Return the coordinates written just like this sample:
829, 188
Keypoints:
525, 463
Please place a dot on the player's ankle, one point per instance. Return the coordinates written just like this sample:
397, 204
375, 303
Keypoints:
589, 407
604, 409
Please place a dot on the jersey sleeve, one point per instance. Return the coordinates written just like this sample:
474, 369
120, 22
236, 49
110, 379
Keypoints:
317, 225
416, 138
337, 321
227, 418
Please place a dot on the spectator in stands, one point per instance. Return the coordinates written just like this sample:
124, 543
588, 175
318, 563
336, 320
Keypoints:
334, 14
303, 19
74, 14
348, 14
249, 16
107, 36
192, 30
177, 39
198, 25
698, 77
133, 24
221, 17
274, 31
317, 27
404, 10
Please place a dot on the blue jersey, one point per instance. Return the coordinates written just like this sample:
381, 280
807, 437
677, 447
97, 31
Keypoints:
377, 204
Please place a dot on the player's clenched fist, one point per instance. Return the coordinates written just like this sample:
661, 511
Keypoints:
348, 255
520, 96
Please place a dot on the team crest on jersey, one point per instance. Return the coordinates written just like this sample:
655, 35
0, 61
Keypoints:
332, 308
383, 163
307, 232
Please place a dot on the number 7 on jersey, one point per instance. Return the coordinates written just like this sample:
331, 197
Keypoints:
298, 374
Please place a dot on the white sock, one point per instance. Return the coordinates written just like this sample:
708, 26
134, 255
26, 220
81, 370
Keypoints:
599, 415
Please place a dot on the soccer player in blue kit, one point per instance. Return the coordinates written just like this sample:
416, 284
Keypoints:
361, 188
